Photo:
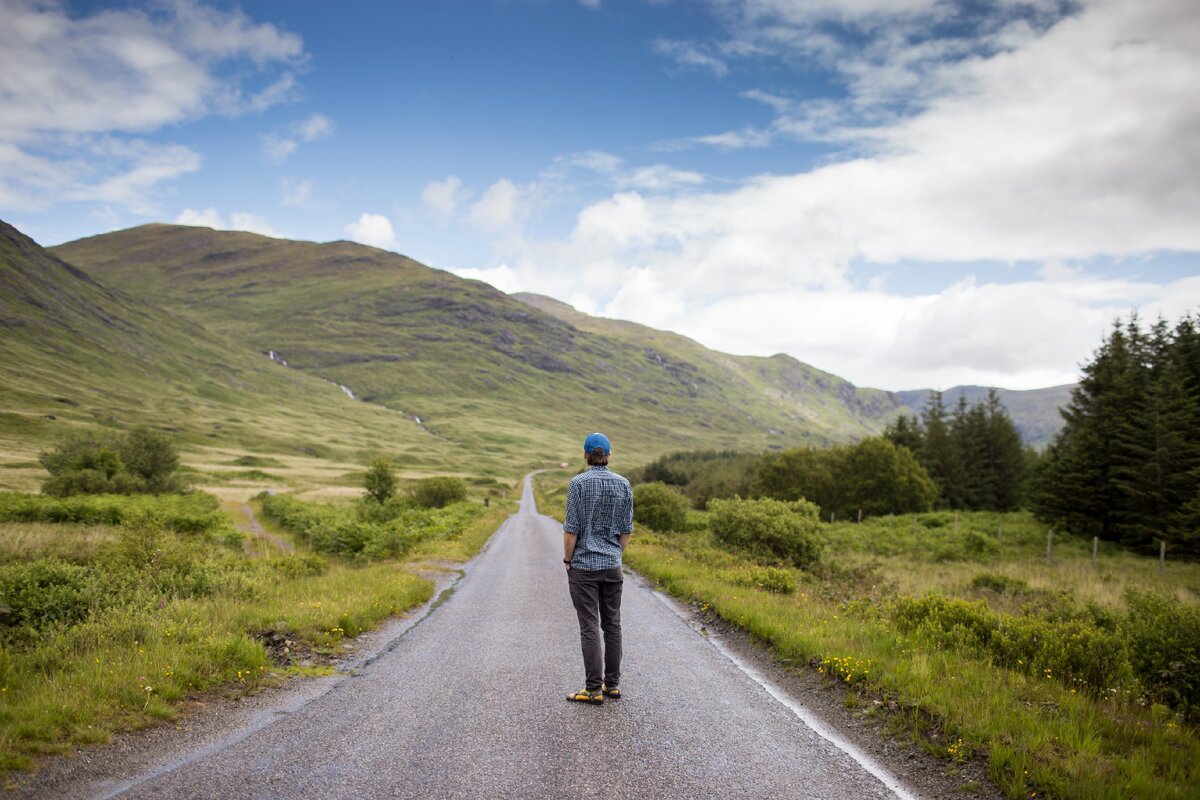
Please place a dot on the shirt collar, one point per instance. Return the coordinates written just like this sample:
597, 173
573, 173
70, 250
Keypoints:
598, 466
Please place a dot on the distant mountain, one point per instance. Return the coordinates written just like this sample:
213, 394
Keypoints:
1033, 411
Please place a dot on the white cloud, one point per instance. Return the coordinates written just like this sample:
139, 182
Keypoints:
592, 4
498, 208
238, 221
79, 82
1054, 141
503, 277
318, 126
658, 177
374, 230
689, 55
443, 197
277, 148
297, 193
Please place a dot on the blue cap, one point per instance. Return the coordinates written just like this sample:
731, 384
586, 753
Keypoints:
595, 440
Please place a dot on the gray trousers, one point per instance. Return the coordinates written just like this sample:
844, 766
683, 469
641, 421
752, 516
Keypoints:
596, 595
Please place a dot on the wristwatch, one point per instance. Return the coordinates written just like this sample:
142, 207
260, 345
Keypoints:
566, 561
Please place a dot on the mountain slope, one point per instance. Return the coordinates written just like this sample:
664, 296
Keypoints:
482, 368
75, 352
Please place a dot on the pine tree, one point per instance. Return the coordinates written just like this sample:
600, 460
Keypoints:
939, 454
905, 431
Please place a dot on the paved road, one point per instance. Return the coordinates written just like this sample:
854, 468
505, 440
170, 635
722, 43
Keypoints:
469, 704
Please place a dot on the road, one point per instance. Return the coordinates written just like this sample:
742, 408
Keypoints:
470, 704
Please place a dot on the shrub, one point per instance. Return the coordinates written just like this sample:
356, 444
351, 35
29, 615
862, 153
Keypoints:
1164, 639
769, 579
773, 529
659, 507
299, 565
439, 492
1072, 651
1000, 584
104, 462
380, 481
43, 592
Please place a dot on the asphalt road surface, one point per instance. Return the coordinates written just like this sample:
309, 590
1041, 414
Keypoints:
470, 704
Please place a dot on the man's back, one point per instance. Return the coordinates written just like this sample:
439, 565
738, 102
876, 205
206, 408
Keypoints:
599, 512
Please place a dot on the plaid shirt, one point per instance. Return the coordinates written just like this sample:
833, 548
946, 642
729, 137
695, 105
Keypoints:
599, 511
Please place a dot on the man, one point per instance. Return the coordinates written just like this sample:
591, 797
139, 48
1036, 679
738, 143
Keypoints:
599, 522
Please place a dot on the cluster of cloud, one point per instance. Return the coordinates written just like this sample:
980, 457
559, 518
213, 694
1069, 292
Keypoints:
81, 91
1052, 136
238, 221
373, 229
279, 147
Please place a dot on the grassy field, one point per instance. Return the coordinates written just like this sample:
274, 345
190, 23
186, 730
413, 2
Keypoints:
970, 643
118, 611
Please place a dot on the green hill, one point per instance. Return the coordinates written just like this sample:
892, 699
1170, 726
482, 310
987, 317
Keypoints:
188, 329
497, 374
74, 352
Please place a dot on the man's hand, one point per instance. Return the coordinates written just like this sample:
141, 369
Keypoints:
568, 549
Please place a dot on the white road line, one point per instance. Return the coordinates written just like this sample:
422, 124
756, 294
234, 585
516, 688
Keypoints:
807, 717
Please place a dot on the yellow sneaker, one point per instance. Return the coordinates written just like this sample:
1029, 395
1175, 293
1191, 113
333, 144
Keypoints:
614, 693
586, 696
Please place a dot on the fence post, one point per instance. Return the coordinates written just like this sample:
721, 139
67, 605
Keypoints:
1049, 543
914, 523
830, 517
999, 533
1095, 548
860, 515
891, 521
1162, 555
956, 519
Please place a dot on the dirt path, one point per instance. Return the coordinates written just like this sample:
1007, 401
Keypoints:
259, 541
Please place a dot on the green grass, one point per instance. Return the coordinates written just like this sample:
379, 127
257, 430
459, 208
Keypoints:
171, 615
1036, 734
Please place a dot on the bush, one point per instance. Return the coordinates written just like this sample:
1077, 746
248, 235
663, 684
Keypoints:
769, 579
104, 462
190, 513
346, 530
1072, 651
380, 480
773, 529
44, 592
1164, 643
659, 507
439, 492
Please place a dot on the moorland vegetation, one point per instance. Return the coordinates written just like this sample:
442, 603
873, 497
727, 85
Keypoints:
116, 608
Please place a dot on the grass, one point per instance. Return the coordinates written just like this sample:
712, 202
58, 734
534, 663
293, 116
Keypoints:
1036, 734
196, 615
129, 667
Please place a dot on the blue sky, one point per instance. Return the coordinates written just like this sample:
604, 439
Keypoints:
904, 192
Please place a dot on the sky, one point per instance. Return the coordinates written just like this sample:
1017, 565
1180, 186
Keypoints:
906, 193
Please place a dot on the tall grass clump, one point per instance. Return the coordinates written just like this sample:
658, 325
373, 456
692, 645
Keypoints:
369, 530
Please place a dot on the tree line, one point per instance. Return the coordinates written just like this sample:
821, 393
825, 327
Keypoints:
1126, 465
